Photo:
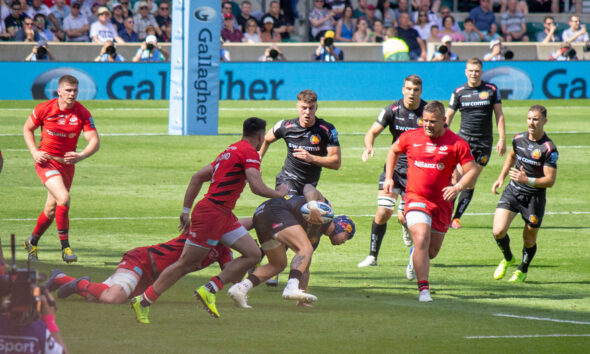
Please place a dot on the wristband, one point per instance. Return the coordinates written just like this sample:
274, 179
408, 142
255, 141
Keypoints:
49, 321
501, 139
532, 181
186, 210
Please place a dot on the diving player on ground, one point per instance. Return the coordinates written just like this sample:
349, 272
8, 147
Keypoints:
477, 100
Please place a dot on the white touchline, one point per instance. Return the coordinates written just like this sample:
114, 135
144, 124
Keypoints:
540, 318
528, 336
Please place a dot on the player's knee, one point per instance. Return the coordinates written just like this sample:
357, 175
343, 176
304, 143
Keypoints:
63, 199
112, 296
50, 212
498, 232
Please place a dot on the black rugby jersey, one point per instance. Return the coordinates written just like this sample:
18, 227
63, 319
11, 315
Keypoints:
315, 140
477, 107
532, 156
400, 119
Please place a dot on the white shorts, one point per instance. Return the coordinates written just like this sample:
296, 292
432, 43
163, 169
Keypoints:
125, 278
414, 217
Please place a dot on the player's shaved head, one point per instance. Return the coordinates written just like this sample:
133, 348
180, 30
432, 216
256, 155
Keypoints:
415, 79
307, 96
253, 126
538, 108
68, 79
436, 108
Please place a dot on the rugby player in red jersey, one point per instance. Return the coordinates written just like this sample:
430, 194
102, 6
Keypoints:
61, 119
138, 269
212, 220
433, 153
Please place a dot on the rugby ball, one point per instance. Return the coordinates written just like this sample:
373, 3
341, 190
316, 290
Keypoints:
325, 211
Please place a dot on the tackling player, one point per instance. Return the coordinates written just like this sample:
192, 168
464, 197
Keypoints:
477, 100
312, 143
212, 220
535, 157
433, 153
138, 269
402, 115
61, 120
280, 224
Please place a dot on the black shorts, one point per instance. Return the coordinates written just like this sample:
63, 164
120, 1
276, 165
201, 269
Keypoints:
530, 207
271, 218
481, 147
295, 187
399, 180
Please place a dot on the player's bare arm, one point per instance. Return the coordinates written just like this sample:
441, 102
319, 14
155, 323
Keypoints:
449, 117
193, 189
269, 138
501, 145
258, 187
547, 181
72, 157
332, 161
390, 162
312, 194
508, 163
370, 137
467, 181
29, 136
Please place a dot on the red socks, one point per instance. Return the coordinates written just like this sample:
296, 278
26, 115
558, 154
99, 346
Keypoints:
149, 296
62, 221
43, 222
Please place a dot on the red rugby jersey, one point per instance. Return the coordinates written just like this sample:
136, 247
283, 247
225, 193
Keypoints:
60, 129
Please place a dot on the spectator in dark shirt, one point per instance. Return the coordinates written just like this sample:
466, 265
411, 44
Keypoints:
548, 35
485, 21
28, 33
163, 16
14, 22
118, 16
127, 33
244, 16
281, 25
411, 37
229, 33
126, 9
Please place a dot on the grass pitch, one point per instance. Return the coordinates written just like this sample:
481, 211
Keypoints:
130, 194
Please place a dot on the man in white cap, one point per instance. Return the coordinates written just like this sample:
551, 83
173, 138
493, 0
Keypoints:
143, 18
495, 53
150, 51
103, 30
443, 52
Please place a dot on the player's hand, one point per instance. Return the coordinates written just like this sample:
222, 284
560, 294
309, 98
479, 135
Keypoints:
40, 156
71, 157
497, 185
283, 189
369, 152
315, 216
501, 147
518, 175
185, 222
388, 185
451, 192
303, 154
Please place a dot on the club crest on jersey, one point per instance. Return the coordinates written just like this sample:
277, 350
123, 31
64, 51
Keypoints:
483, 95
74, 121
277, 225
314, 139
288, 125
420, 121
440, 166
533, 219
536, 154
443, 148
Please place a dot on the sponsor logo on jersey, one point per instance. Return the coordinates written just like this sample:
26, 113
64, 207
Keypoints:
417, 205
20, 344
54, 133
416, 145
314, 139
475, 103
536, 154
277, 225
74, 120
483, 95
443, 148
334, 135
533, 219
51, 173
423, 164
554, 156
528, 161
308, 148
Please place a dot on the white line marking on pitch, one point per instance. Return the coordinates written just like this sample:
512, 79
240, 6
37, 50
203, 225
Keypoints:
175, 217
529, 336
540, 318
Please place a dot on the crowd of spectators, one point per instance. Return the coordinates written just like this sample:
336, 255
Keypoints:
415, 22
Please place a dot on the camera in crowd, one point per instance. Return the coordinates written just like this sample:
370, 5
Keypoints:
570, 53
41, 52
19, 291
507, 53
443, 49
328, 41
111, 50
586, 47
273, 53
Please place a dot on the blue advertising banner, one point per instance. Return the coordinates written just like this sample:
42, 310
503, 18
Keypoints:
194, 99
282, 81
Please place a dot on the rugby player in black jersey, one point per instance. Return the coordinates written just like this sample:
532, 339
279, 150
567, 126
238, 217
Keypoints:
279, 224
312, 143
477, 100
402, 115
532, 167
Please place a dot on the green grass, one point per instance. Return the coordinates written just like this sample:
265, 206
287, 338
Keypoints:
130, 194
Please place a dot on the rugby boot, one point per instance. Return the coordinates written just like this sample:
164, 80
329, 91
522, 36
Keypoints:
407, 237
369, 261
502, 267
70, 288
141, 312
456, 224
238, 294
273, 282
208, 300
297, 294
410, 271
424, 296
68, 255
518, 277
32, 251
50, 284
